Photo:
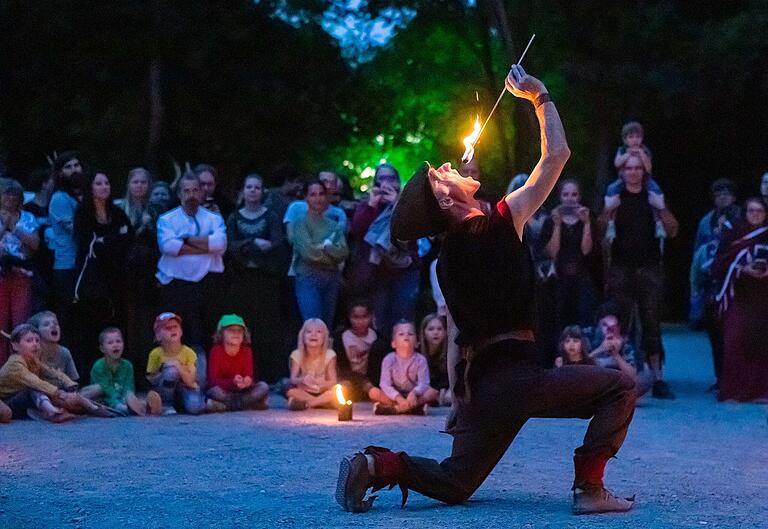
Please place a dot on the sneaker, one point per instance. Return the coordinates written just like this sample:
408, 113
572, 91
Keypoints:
661, 391
297, 404
599, 500
135, 405
154, 403
383, 409
214, 406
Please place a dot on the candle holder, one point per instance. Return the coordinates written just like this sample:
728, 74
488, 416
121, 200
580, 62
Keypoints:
345, 411
345, 406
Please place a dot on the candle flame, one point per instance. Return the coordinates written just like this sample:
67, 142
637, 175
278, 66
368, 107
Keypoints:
469, 141
340, 395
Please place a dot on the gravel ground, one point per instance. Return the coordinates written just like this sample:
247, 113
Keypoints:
692, 463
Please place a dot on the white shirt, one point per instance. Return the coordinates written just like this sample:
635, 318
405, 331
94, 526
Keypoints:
172, 228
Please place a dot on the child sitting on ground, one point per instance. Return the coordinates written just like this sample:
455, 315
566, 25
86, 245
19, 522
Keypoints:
433, 341
573, 348
52, 352
359, 351
25, 391
313, 369
113, 375
230, 370
171, 368
404, 384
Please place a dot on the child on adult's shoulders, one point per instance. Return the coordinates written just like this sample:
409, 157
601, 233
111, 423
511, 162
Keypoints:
632, 138
171, 368
25, 386
231, 375
404, 386
313, 369
113, 375
359, 350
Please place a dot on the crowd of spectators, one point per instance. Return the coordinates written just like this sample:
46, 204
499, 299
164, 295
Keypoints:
207, 292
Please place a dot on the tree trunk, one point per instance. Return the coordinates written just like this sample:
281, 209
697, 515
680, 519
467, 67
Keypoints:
493, 87
155, 94
525, 122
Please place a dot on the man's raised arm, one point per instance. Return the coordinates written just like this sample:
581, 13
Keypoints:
524, 202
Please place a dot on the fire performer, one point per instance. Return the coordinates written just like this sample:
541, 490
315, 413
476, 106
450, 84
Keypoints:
487, 278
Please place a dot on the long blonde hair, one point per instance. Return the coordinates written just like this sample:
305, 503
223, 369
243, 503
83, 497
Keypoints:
133, 209
313, 321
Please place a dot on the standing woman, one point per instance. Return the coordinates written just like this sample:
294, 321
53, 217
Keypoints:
103, 234
18, 241
568, 238
255, 247
741, 263
70, 182
136, 199
320, 247
141, 263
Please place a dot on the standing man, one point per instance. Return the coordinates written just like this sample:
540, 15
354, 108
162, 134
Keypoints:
635, 278
487, 278
192, 242
212, 200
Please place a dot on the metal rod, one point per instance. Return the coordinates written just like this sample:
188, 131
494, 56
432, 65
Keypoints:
501, 95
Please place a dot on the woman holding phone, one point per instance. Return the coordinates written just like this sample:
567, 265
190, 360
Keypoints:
568, 239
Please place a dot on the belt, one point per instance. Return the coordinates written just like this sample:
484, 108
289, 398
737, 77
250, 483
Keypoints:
523, 336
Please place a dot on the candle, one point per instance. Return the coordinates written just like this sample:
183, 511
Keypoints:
345, 406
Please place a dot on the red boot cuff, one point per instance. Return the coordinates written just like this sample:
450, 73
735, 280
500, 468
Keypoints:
589, 471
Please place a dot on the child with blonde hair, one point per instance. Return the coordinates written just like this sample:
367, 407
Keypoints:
313, 368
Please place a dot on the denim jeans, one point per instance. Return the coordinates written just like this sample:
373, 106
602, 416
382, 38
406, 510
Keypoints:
316, 293
394, 299
173, 391
506, 389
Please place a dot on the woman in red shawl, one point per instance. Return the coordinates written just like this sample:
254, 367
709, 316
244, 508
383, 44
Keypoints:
742, 265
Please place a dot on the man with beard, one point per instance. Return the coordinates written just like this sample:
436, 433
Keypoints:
487, 277
192, 241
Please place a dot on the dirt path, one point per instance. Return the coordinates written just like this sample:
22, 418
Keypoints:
692, 463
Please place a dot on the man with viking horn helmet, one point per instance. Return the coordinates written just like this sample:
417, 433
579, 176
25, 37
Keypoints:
496, 380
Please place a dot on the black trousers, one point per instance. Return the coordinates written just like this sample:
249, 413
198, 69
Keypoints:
198, 304
506, 389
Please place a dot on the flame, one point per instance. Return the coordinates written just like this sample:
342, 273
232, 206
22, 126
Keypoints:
469, 141
340, 395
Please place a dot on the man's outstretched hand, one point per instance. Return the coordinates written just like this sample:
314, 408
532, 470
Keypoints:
522, 85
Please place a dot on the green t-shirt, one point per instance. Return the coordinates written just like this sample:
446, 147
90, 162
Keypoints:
115, 384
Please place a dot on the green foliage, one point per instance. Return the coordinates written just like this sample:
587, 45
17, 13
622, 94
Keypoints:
420, 100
